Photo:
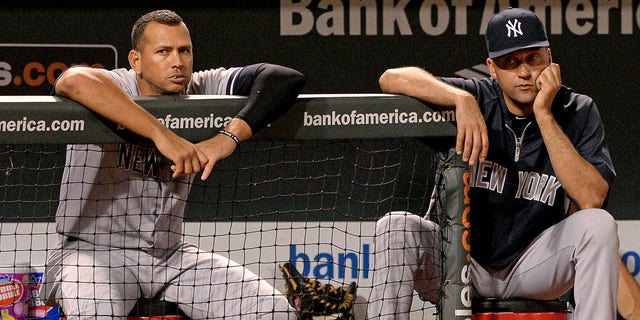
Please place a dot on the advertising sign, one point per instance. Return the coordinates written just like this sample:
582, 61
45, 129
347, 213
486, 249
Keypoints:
31, 69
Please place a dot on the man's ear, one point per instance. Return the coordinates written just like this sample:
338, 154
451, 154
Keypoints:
491, 66
134, 61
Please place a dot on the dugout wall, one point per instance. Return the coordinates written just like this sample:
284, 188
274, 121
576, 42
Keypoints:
344, 47
307, 189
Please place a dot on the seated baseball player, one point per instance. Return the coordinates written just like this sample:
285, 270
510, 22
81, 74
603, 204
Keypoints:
120, 225
536, 151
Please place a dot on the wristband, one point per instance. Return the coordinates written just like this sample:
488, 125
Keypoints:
230, 135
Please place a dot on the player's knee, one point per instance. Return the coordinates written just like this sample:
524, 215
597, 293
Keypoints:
599, 226
403, 222
392, 222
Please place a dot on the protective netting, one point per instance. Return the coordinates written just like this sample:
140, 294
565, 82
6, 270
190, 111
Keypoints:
313, 203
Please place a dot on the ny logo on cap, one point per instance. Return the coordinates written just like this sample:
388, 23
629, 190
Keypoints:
513, 26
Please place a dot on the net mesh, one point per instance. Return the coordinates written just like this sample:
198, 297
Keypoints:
313, 203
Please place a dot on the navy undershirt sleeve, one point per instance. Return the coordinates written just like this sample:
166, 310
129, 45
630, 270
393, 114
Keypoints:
271, 91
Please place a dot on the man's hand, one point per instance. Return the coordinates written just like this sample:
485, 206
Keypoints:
472, 140
215, 149
222, 146
548, 83
186, 157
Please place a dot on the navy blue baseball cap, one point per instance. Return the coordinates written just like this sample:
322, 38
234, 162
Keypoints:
514, 29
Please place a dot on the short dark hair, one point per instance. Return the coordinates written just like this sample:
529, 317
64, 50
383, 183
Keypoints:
166, 17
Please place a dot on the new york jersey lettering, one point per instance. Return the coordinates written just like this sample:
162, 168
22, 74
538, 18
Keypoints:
532, 186
537, 187
139, 159
488, 175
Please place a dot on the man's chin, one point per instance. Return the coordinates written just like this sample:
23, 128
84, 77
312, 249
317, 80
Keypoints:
524, 101
172, 92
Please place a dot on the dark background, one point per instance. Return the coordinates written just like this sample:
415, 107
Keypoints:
603, 66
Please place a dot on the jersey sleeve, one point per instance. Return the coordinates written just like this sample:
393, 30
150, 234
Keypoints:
271, 89
125, 79
464, 84
592, 144
486, 90
272, 92
222, 81
218, 81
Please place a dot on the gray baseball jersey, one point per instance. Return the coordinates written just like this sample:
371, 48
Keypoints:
121, 201
122, 195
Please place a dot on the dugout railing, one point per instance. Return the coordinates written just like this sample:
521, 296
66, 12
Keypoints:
372, 133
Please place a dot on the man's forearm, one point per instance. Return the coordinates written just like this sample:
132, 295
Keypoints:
579, 178
422, 85
275, 89
95, 90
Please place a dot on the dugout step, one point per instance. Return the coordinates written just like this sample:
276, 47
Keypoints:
517, 309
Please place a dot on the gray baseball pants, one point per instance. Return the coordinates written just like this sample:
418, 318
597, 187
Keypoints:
96, 282
580, 252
